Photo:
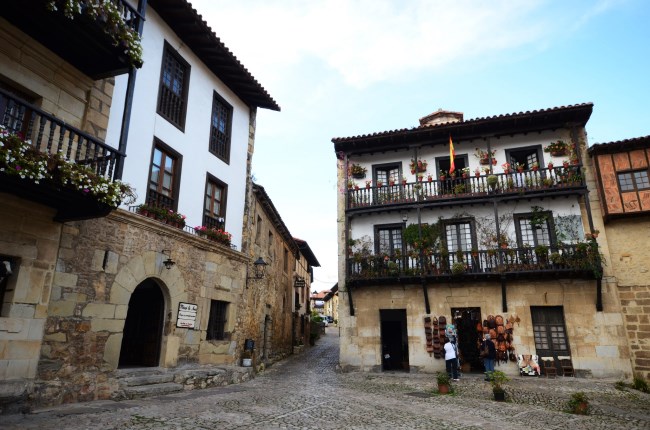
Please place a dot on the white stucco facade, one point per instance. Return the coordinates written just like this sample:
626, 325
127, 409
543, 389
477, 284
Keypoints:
192, 142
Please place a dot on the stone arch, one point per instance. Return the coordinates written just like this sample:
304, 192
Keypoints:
148, 265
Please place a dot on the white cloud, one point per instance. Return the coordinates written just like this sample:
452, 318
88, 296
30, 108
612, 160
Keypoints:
368, 41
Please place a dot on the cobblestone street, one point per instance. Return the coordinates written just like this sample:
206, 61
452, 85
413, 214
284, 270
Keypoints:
307, 392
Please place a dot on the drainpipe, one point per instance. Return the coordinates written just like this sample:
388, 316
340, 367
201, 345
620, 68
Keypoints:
128, 101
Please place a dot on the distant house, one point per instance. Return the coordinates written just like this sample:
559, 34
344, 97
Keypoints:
497, 229
622, 194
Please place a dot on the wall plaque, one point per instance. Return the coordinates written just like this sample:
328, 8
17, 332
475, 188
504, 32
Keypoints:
186, 315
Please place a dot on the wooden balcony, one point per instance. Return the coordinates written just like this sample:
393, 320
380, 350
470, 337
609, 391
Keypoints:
49, 135
81, 41
527, 184
570, 261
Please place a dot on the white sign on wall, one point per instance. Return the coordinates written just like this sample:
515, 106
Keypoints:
186, 315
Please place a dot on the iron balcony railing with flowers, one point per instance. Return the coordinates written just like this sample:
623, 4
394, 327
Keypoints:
581, 260
541, 181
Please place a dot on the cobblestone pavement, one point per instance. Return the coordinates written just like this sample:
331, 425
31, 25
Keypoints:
306, 391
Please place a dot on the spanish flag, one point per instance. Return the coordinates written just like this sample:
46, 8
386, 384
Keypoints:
452, 155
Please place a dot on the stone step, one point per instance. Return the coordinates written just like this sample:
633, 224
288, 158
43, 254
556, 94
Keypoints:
138, 371
134, 381
152, 390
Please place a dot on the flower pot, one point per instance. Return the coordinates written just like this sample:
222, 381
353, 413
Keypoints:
477, 174
443, 388
559, 153
581, 408
550, 166
246, 362
520, 169
430, 179
464, 175
443, 177
499, 396
484, 161
535, 169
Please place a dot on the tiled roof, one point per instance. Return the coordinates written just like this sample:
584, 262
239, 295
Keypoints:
620, 145
528, 121
199, 37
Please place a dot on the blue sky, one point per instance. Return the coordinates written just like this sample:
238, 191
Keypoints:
345, 68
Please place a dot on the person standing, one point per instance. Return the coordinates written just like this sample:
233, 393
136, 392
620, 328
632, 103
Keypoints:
488, 359
451, 359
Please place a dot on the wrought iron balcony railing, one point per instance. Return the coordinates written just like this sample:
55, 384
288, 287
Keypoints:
526, 183
580, 260
51, 135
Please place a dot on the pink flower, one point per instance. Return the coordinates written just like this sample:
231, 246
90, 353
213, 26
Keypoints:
18, 168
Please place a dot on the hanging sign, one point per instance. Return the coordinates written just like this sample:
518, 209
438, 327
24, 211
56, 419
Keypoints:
186, 315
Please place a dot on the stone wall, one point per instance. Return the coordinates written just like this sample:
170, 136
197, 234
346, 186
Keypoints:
100, 264
630, 264
55, 86
30, 238
596, 339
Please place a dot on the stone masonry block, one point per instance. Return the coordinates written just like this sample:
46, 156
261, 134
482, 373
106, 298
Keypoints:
110, 325
608, 351
61, 308
121, 311
112, 350
99, 310
65, 279
22, 310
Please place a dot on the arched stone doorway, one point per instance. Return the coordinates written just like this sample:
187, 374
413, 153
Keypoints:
143, 327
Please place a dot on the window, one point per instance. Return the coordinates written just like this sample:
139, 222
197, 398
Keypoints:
270, 244
631, 181
174, 83
285, 261
258, 230
8, 278
386, 172
388, 239
444, 163
214, 206
525, 156
217, 321
459, 236
539, 232
163, 177
548, 330
220, 128
14, 116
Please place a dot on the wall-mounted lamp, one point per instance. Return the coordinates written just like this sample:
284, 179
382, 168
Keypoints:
260, 267
169, 262
405, 216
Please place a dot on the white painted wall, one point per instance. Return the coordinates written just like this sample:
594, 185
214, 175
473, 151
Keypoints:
193, 143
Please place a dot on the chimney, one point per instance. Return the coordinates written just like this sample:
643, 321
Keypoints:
441, 116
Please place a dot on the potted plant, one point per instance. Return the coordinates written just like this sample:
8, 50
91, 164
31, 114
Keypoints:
520, 167
557, 148
464, 172
350, 184
444, 382
578, 404
497, 379
358, 171
492, 181
548, 182
418, 166
556, 258
477, 172
550, 165
430, 177
484, 156
458, 268
541, 251
506, 167
442, 175
368, 184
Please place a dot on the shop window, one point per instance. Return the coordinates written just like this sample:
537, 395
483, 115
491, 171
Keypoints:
631, 181
217, 321
214, 205
174, 84
220, 127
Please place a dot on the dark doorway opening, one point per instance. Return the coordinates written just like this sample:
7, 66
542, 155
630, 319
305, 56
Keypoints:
394, 339
143, 327
469, 338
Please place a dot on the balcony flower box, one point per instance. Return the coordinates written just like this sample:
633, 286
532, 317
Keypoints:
357, 171
557, 148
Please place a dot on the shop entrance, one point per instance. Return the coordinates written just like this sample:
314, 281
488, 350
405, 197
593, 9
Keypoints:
394, 339
143, 327
469, 338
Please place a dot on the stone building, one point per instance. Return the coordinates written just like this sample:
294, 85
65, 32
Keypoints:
273, 310
622, 202
332, 302
457, 220
90, 290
